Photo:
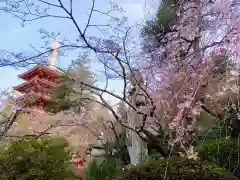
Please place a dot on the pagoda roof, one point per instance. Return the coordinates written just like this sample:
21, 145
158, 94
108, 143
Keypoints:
32, 98
42, 82
35, 70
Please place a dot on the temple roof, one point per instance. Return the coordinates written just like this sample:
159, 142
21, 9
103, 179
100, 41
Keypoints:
35, 80
39, 68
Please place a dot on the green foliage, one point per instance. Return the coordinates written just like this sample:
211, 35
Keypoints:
223, 152
215, 127
175, 168
221, 64
166, 13
118, 149
71, 92
155, 30
31, 159
62, 96
106, 169
224, 126
220, 129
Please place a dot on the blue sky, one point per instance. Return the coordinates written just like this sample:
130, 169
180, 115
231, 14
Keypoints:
16, 39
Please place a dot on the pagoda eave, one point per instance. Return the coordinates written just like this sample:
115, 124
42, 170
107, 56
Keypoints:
43, 83
45, 69
33, 98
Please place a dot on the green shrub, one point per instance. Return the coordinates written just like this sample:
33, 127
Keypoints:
105, 169
31, 159
223, 152
175, 168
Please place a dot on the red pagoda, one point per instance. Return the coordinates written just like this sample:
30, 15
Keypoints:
38, 81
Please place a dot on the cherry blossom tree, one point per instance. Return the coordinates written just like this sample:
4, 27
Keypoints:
176, 63
183, 59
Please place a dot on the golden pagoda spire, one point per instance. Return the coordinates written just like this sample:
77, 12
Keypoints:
53, 55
